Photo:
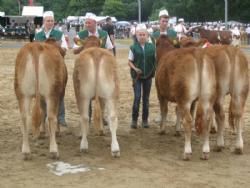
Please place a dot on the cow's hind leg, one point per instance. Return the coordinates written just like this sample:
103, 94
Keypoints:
220, 120
113, 124
236, 113
52, 111
205, 118
187, 124
164, 112
24, 105
83, 105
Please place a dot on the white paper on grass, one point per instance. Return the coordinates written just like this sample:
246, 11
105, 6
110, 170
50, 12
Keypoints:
60, 168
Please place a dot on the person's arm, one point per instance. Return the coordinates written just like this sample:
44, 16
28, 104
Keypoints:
64, 44
76, 48
131, 64
112, 35
109, 44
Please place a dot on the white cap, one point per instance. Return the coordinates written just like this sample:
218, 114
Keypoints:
180, 20
90, 15
163, 13
48, 14
141, 27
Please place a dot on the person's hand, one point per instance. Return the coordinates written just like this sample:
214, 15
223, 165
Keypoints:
138, 71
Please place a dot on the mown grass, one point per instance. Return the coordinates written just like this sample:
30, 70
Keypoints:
124, 41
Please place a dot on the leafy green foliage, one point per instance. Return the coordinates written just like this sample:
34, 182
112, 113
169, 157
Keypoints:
191, 10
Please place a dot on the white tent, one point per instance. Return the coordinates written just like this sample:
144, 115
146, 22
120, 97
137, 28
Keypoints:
32, 11
2, 13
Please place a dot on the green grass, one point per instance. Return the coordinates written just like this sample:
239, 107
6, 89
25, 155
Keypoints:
124, 41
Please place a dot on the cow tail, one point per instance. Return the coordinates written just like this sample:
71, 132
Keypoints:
97, 115
207, 95
199, 119
199, 110
97, 107
36, 112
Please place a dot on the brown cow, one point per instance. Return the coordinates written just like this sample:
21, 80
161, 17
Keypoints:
183, 76
231, 68
232, 78
187, 42
214, 37
95, 76
40, 73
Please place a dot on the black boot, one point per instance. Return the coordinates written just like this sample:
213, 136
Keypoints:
133, 124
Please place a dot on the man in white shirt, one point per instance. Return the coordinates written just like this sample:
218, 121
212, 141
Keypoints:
180, 29
48, 31
91, 30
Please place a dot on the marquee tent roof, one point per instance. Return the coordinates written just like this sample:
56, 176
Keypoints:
32, 11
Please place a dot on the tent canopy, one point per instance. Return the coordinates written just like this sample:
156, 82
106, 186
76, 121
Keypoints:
32, 11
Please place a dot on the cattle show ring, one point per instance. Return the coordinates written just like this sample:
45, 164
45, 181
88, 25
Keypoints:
147, 158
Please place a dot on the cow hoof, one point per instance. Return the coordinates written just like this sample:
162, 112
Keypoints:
205, 156
115, 154
238, 151
218, 148
58, 134
177, 134
42, 135
213, 130
100, 133
162, 132
84, 150
26, 156
187, 156
233, 132
54, 155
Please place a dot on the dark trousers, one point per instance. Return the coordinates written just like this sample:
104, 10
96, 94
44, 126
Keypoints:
61, 112
248, 39
31, 37
141, 87
114, 51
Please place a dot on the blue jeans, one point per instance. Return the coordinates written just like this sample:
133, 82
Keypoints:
141, 86
61, 112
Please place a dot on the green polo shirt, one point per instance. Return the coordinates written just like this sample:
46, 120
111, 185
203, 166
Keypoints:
55, 34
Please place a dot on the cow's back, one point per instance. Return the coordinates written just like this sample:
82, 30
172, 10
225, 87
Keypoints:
95, 73
178, 75
52, 73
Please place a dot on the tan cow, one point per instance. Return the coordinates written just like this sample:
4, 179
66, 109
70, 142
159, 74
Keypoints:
231, 68
232, 78
95, 76
183, 76
40, 73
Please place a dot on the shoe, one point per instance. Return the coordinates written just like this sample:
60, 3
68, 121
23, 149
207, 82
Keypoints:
62, 124
145, 125
105, 122
133, 125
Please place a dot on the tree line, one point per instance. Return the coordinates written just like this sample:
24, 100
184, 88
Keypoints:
191, 10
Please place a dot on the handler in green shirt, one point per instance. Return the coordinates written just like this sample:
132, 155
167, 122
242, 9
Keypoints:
48, 31
91, 30
164, 30
141, 61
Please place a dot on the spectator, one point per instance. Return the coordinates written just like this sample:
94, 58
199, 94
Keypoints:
31, 31
109, 28
141, 61
46, 32
180, 29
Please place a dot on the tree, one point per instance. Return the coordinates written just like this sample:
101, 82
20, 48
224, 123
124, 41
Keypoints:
114, 8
